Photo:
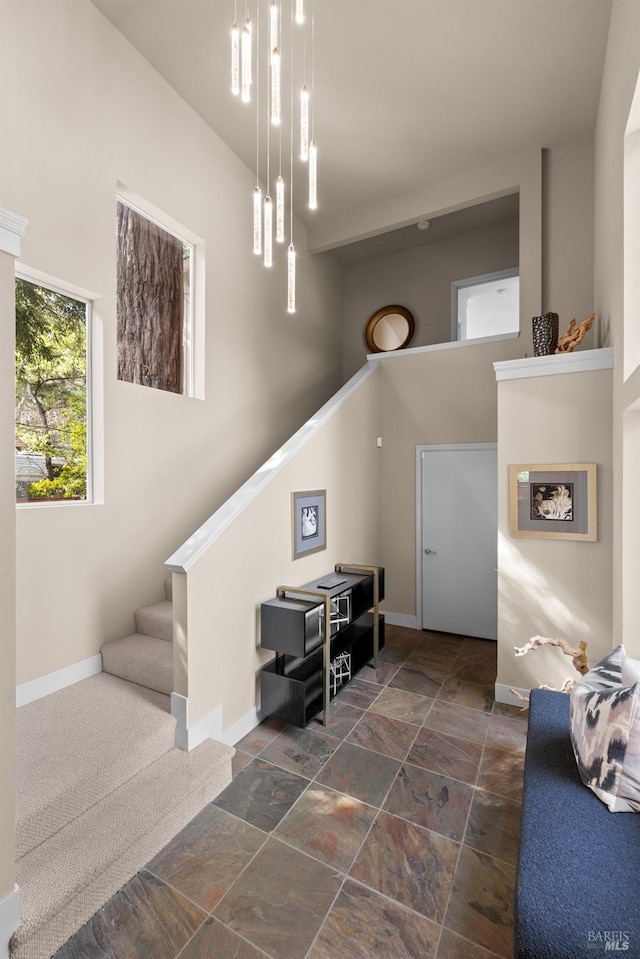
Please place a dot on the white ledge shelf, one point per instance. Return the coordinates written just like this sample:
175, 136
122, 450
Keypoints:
434, 347
581, 362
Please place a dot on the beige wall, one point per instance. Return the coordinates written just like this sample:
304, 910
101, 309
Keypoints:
252, 557
432, 397
7, 579
553, 588
89, 113
567, 231
620, 77
420, 279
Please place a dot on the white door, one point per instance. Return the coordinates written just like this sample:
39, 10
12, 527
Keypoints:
459, 540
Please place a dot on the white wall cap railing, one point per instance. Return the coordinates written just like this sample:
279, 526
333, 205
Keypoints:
434, 347
582, 361
197, 544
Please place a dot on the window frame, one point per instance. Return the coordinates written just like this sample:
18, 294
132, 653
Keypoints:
458, 285
57, 286
189, 321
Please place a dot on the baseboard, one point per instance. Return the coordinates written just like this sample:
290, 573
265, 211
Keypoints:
58, 679
9, 920
210, 726
188, 737
504, 695
400, 619
238, 730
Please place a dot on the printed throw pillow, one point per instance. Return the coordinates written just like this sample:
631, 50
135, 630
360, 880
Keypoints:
605, 731
630, 671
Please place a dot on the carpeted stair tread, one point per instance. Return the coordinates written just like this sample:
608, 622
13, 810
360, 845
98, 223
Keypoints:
156, 620
140, 659
79, 743
70, 875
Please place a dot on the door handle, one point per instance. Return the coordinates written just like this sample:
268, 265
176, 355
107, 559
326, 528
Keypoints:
431, 552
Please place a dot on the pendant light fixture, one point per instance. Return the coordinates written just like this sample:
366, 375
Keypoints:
269, 49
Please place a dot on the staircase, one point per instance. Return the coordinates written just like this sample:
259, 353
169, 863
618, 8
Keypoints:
146, 656
101, 788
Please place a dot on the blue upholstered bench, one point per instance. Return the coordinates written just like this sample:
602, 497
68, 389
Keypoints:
578, 879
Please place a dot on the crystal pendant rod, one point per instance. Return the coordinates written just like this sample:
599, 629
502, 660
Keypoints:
291, 252
299, 11
268, 231
268, 210
275, 87
313, 150
273, 27
313, 176
280, 210
247, 54
304, 124
235, 59
257, 193
257, 220
291, 279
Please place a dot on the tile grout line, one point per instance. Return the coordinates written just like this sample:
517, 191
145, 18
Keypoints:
464, 832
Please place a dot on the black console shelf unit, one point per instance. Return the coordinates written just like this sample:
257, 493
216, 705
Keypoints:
310, 668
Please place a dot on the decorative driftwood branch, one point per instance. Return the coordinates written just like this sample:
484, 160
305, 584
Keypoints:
574, 334
578, 658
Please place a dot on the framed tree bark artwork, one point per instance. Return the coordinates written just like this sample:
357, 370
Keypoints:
555, 501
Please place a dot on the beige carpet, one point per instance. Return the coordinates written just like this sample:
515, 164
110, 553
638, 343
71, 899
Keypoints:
100, 791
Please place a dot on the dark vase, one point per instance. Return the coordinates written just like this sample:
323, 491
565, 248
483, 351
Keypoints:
545, 334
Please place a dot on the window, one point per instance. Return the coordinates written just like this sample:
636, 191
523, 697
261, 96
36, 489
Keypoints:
52, 340
486, 305
154, 315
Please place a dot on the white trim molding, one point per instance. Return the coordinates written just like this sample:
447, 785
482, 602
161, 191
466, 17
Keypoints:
12, 228
504, 694
58, 679
9, 920
210, 726
582, 361
238, 730
188, 737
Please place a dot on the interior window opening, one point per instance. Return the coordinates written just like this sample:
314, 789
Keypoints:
154, 303
486, 305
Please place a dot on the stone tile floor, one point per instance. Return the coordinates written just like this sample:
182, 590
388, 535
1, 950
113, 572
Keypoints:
390, 833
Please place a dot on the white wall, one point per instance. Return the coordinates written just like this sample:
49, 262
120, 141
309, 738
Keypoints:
420, 280
451, 397
247, 562
429, 397
567, 231
85, 112
622, 65
554, 588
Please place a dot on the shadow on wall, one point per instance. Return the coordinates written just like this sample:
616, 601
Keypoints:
529, 603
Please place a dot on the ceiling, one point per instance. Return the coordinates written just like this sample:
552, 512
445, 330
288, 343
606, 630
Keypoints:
407, 92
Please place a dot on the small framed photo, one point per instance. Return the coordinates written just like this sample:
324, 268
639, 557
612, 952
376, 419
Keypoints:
309, 522
553, 501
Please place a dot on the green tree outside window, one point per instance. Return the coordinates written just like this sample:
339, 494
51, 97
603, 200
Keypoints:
51, 390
